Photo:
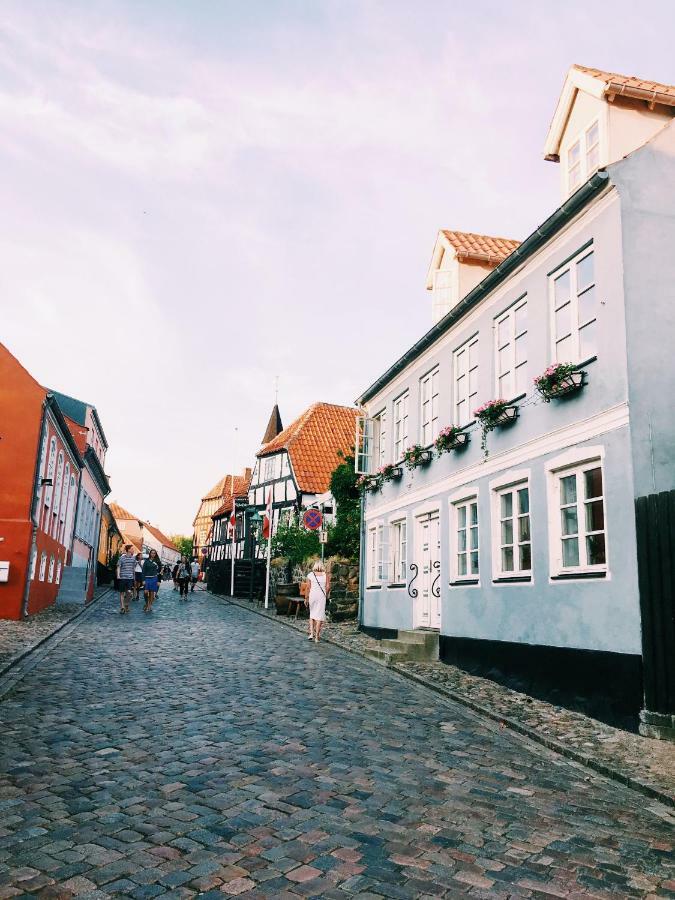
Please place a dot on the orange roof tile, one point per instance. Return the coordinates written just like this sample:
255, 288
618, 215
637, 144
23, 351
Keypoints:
480, 247
632, 86
217, 490
129, 540
160, 536
313, 442
237, 486
120, 513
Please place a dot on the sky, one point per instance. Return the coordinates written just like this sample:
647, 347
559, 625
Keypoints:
200, 197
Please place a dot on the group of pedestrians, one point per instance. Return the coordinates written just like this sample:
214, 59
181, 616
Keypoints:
136, 575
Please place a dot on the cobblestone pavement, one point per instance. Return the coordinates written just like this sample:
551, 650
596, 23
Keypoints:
643, 760
18, 637
201, 750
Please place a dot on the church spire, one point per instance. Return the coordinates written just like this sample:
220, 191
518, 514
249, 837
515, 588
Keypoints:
274, 426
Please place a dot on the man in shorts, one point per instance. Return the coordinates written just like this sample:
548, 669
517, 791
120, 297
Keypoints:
126, 569
194, 574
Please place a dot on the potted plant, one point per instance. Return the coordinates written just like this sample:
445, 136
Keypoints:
559, 380
390, 472
450, 438
494, 414
416, 456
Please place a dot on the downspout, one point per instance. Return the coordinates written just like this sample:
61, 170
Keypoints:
34, 511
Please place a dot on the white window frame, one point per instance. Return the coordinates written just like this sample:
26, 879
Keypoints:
585, 149
460, 395
371, 557
576, 461
588, 148
43, 566
507, 321
399, 550
576, 325
50, 573
428, 393
518, 572
382, 554
379, 439
457, 505
400, 430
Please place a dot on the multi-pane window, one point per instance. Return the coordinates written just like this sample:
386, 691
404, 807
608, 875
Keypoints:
372, 556
50, 573
582, 518
466, 536
270, 467
380, 439
466, 381
429, 408
575, 310
583, 157
592, 149
574, 166
511, 349
382, 558
43, 566
399, 551
514, 539
400, 426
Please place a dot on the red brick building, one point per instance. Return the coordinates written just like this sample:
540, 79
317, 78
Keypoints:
40, 470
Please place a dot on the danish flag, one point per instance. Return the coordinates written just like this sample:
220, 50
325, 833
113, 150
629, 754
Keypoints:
268, 516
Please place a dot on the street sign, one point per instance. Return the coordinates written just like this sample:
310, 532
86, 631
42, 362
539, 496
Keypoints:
312, 519
323, 536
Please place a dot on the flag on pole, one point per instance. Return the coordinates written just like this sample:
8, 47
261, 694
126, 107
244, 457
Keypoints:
267, 522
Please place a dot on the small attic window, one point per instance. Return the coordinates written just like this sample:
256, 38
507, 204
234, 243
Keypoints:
574, 166
592, 149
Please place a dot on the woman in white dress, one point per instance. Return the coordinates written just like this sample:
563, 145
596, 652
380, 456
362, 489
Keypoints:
317, 581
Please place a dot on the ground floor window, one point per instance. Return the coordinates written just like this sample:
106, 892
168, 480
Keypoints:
399, 551
512, 544
466, 538
580, 537
372, 556
43, 566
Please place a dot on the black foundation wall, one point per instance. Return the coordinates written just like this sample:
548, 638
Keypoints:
606, 686
379, 633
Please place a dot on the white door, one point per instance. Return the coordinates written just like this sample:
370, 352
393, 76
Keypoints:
428, 600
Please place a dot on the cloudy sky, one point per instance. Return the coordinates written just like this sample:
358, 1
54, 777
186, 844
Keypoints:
199, 196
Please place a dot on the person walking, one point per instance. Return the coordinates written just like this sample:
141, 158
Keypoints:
151, 576
194, 574
138, 576
126, 567
174, 575
183, 577
317, 592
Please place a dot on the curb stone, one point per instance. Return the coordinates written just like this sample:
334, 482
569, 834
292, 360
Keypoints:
15, 661
555, 746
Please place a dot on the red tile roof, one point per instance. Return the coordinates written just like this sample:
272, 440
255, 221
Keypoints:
632, 86
480, 247
120, 513
217, 490
160, 536
237, 486
129, 540
313, 442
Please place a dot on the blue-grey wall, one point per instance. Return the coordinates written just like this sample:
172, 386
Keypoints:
645, 181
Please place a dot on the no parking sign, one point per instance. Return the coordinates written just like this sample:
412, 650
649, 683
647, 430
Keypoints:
312, 519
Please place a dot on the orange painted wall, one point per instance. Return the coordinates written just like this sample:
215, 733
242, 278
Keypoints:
21, 399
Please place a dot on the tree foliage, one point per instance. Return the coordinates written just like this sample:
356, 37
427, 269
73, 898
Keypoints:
295, 543
183, 544
344, 536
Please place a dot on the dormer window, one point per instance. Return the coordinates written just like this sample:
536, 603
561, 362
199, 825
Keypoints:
592, 149
574, 166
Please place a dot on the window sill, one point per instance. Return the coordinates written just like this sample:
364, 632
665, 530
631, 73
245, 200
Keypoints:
575, 576
465, 582
517, 399
373, 587
586, 362
513, 579
398, 584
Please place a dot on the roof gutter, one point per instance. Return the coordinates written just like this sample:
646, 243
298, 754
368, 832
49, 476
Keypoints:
530, 245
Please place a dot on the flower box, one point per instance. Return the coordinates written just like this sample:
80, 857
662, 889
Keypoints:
417, 456
451, 438
396, 473
494, 414
389, 472
560, 381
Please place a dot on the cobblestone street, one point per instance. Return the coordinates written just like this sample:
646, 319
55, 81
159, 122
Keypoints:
203, 750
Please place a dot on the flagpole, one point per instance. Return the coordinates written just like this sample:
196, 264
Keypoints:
233, 532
